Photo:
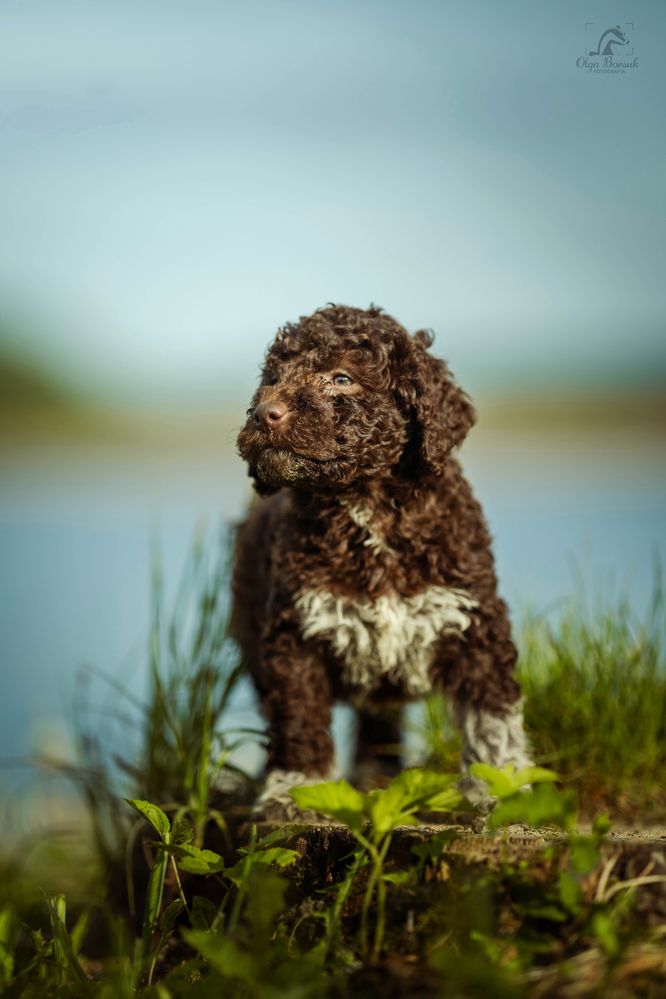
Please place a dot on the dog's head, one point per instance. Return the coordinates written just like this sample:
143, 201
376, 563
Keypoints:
347, 394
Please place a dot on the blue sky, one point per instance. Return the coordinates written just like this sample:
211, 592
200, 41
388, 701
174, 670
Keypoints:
178, 179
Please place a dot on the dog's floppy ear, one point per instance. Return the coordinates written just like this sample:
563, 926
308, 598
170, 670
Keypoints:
441, 411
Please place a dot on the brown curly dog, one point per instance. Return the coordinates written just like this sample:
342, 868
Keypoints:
365, 573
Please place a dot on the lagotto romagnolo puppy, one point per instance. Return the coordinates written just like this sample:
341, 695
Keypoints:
364, 573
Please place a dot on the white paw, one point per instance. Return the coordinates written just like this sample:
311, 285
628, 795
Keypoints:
275, 804
477, 793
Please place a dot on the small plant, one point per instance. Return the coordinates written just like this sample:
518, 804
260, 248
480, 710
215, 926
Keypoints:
174, 848
517, 802
372, 819
172, 746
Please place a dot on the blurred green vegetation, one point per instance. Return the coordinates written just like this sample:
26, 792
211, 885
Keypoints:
37, 403
197, 903
594, 683
623, 408
23, 386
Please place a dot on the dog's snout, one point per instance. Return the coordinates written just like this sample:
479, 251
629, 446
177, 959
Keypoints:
271, 414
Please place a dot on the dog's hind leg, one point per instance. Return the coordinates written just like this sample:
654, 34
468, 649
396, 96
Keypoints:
378, 745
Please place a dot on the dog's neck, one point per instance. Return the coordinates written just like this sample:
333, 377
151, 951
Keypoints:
377, 494
374, 495
377, 506
364, 517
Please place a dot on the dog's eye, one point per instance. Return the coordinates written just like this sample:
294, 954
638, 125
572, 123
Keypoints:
270, 378
341, 379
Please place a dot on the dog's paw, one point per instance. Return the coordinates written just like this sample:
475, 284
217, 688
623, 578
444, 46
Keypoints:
477, 793
275, 804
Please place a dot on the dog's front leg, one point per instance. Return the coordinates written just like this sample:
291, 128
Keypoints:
487, 707
489, 736
296, 700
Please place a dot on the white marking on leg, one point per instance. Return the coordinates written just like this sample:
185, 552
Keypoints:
275, 793
490, 738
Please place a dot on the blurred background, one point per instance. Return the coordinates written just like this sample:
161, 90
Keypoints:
177, 180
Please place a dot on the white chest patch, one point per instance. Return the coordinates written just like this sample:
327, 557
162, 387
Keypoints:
390, 637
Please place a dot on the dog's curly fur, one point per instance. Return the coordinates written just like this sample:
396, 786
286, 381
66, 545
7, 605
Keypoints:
365, 571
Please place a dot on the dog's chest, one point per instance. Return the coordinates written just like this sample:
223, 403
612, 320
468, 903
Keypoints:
390, 637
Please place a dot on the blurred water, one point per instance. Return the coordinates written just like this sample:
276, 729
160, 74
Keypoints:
77, 523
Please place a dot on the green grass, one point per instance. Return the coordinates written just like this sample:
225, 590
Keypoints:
165, 895
594, 683
171, 746
595, 695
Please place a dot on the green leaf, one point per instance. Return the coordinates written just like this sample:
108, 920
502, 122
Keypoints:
196, 861
170, 915
79, 931
388, 809
491, 948
337, 799
8, 925
601, 824
445, 801
182, 831
284, 832
535, 775
222, 953
399, 877
154, 896
432, 848
202, 913
411, 791
62, 943
552, 913
500, 783
544, 805
584, 853
154, 815
601, 926
264, 905
508, 781
570, 893
419, 788
157, 990
277, 855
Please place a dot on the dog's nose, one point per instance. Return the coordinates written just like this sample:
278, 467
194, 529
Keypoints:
271, 414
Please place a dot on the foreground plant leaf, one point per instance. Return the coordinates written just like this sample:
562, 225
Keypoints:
154, 815
8, 928
507, 781
197, 861
335, 798
222, 953
542, 806
277, 855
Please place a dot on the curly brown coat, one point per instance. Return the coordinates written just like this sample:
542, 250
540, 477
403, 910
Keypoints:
365, 572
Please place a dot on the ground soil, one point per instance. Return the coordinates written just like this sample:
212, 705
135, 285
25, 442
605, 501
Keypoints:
580, 967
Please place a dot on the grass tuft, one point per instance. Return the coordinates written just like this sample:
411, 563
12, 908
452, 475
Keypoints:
172, 746
595, 699
594, 684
